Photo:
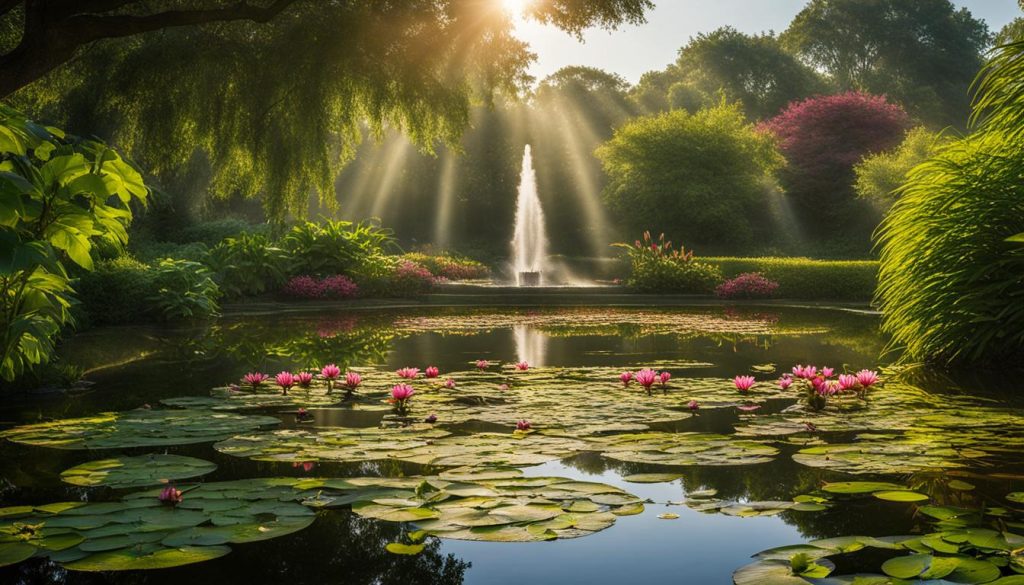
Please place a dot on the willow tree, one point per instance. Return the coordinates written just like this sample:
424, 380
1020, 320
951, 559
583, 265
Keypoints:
271, 97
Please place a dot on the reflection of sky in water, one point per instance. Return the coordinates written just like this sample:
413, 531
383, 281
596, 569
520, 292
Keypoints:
694, 549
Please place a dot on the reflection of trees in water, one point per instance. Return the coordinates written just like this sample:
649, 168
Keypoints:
339, 548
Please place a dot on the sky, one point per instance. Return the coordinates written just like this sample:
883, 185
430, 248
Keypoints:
634, 50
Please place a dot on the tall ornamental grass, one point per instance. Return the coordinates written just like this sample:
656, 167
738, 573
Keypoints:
951, 279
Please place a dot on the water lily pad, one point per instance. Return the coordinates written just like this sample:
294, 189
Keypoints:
900, 496
668, 516
136, 428
652, 477
860, 487
908, 567
124, 472
404, 549
148, 557
15, 552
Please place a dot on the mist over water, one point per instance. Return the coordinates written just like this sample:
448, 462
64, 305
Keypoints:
529, 240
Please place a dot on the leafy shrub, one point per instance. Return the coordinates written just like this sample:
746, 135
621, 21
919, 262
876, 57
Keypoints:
880, 175
952, 262
184, 290
311, 287
749, 285
449, 266
247, 265
804, 278
705, 176
214, 232
656, 267
333, 247
117, 292
58, 195
149, 252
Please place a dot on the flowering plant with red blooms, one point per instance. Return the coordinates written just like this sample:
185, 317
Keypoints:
432, 372
304, 379
819, 385
171, 496
330, 287
400, 396
285, 380
254, 379
749, 285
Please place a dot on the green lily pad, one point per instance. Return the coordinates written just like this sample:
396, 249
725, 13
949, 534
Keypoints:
860, 487
908, 567
652, 477
900, 496
15, 552
404, 549
124, 472
147, 557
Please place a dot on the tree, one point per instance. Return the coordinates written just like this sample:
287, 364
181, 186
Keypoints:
1013, 31
273, 104
700, 178
921, 53
822, 139
751, 69
880, 175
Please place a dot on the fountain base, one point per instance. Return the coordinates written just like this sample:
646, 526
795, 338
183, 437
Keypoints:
529, 279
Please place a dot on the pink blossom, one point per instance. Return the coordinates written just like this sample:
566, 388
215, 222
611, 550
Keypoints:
743, 383
646, 378
353, 380
449, 383
523, 425
867, 377
285, 380
749, 285
171, 496
847, 381
408, 373
522, 366
432, 372
330, 372
626, 377
693, 405
254, 379
785, 381
304, 379
827, 372
664, 377
400, 395
483, 364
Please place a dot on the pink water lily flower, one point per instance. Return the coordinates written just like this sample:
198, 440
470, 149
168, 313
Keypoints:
306, 466
523, 425
827, 372
330, 372
867, 377
304, 379
408, 373
625, 378
785, 381
847, 382
744, 383
693, 405
285, 380
646, 378
799, 371
400, 395
171, 496
254, 379
522, 366
432, 372
353, 380
664, 377
483, 364
449, 383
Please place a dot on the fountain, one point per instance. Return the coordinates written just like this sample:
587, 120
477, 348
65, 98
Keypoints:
529, 240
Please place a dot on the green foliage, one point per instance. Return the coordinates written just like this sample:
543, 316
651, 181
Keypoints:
922, 54
184, 290
118, 291
804, 278
248, 265
880, 175
334, 247
449, 266
704, 176
214, 232
58, 195
952, 257
656, 267
751, 69
149, 252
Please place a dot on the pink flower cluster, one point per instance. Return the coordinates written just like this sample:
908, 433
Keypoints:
330, 287
646, 378
749, 285
819, 385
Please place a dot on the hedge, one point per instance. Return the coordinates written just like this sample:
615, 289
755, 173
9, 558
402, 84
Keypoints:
804, 278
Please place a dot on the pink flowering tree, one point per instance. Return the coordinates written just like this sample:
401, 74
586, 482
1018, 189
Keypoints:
822, 138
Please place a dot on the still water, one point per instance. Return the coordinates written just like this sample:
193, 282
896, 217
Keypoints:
132, 366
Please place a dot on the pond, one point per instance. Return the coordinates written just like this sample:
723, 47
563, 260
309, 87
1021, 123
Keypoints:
648, 488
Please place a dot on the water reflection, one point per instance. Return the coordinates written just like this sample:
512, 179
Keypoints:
531, 345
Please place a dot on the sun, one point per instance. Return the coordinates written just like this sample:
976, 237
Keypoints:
515, 7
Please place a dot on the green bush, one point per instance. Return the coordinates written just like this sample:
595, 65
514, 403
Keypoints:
248, 265
804, 278
656, 267
117, 292
150, 252
214, 232
333, 247
184, 290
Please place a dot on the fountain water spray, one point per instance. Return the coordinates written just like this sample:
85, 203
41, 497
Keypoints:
529, 240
